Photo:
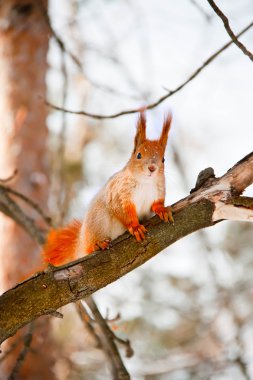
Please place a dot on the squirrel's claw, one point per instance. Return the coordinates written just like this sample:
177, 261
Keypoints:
104, 244
164, 213
138, 231
169, 214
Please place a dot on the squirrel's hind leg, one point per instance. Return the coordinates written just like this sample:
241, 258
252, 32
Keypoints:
98, 245
103, 244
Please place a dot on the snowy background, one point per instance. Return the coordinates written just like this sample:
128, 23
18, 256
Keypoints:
181, 309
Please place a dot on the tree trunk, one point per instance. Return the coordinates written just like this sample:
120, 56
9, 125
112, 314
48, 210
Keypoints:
24, 38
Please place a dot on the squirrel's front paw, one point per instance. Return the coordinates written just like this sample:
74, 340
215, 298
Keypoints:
138, 231
164, 213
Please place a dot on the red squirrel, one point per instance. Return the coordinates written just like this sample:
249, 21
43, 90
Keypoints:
129, 196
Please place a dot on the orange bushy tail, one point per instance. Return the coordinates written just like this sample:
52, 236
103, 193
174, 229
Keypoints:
61, 244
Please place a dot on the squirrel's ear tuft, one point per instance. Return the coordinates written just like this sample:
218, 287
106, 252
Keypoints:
166, 127
140, 136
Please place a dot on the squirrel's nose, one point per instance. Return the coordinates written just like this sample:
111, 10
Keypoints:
151, 168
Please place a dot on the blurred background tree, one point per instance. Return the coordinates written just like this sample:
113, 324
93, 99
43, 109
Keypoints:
23, 65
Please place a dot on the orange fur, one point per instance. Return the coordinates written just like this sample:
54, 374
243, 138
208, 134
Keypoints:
128, 215
164, 213
61, 244
157, 204
166, 128
129, 218
141, 131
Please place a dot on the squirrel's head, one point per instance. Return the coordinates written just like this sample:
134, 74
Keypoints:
148, 155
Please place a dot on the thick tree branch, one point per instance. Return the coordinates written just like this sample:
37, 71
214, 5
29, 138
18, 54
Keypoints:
49, 290
230, 32
161, 99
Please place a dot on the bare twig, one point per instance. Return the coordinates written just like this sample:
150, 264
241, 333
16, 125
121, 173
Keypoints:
78, 63
87, 322
161, 99
29, 201
9, 207
234, 38
27, 344
57, 38
103, 336
111, 55
90, 323
106, 337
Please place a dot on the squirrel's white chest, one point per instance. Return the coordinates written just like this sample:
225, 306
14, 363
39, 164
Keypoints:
144, 195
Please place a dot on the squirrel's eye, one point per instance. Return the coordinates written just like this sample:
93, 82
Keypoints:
139, 156
163, 160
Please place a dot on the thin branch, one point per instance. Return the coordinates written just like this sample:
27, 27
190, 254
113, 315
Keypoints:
30, 202
234, 38
106, 337
49, 290
103, 336
57, 38
78, 63
9, 207
163, 98
114, 41
27, 344
87, 322
125, 343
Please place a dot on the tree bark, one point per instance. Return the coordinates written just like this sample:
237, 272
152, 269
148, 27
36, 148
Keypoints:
23, 64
